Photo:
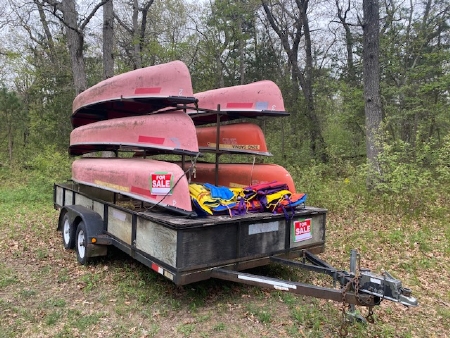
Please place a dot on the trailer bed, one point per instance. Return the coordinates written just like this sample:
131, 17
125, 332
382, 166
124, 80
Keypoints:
186, 249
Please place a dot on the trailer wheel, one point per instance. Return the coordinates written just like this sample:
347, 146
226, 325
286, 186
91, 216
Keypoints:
68, 233
81, 244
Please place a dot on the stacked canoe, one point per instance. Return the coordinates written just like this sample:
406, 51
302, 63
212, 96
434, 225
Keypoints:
262, 98
125, 113
154, 111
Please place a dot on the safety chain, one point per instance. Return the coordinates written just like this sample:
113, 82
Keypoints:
343, 330
369, 316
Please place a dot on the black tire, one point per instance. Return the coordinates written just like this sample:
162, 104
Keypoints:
68, 232
81, 244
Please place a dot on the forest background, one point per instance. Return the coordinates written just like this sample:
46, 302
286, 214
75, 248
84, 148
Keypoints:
313, 50
53, 50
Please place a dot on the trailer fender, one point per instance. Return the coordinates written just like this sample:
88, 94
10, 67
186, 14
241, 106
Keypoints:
93, 224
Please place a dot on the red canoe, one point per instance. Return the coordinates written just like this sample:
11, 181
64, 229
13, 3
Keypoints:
172, 132
138, 92
236, 175
155, 182
243, 138
262, 98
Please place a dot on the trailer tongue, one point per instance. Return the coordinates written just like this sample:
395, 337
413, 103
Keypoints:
362, 288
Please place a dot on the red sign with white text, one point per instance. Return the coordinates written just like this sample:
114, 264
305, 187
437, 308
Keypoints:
161, 184
302, 230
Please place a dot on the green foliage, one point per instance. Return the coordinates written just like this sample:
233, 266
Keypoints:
229, 52
31, 181
414, 180
416, 79
343, 108
336, 186
410, 185
50, 165
167, 37
12, 126
442, 160
401, 171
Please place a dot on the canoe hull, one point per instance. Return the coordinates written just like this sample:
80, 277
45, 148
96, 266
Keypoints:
172, 132
237, 175
262, 98
155, 182
243, 138
138, 92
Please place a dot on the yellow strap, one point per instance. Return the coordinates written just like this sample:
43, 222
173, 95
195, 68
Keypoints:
277, 196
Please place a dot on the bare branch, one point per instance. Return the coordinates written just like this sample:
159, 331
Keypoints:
91, 15
122, 24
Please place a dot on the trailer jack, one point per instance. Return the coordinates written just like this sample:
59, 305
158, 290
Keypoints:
357, 287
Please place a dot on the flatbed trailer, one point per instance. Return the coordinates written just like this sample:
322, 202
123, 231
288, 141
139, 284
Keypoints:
183, 249
188, 249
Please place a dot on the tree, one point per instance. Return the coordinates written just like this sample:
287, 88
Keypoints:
347, 118
372, 97
415, 55
136, 32
343, 14
291, 26
11, 116
66, 12
108, 39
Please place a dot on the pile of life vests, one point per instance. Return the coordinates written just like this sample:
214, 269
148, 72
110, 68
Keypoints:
272, 197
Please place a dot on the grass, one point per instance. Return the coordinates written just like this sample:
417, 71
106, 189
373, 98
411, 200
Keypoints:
44, 292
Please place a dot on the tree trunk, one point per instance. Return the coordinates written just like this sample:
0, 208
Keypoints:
74, 36
241, 46
108, 39
48, 34
10, 142
318, 147
137, 32
372, 100
136, 40
349, 42
145, 9
75, 43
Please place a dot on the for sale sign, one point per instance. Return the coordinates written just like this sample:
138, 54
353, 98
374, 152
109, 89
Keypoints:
302, 230
161, 183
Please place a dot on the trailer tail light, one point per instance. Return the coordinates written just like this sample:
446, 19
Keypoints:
161, 271
157, 268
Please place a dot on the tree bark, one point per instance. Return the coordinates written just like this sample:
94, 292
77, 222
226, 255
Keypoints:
136, 36
372, 100
145, 9
75, 43
108, 39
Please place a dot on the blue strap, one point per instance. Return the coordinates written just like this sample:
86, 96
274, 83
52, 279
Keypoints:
219, 192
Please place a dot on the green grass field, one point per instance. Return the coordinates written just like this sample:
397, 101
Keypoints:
44, 292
